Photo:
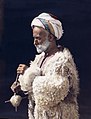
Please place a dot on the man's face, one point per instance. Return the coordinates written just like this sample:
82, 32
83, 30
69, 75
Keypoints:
41, 41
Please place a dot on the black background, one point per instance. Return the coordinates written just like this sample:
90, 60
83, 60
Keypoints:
17, 44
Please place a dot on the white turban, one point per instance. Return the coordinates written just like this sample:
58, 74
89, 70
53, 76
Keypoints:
49, 23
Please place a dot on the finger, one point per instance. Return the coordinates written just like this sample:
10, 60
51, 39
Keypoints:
22, 65
21, 68
15, 87
12, 88
20, 71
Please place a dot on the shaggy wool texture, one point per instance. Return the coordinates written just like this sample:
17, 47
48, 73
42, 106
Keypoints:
54, 87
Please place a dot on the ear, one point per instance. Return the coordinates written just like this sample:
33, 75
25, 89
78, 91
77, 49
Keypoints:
51, 37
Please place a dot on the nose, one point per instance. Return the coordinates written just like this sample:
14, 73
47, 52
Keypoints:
36, 42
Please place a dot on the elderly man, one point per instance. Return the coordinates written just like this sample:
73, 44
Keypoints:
51, 81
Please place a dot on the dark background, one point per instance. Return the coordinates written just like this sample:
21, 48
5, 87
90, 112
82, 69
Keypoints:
17, 45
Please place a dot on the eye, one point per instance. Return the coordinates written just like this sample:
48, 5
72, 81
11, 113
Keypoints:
37, 38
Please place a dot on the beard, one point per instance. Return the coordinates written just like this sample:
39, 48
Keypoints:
43, 47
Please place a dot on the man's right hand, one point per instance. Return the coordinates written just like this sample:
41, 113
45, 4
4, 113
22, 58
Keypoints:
21, 68
16, 85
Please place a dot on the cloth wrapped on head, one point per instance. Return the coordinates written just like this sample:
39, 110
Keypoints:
49, 23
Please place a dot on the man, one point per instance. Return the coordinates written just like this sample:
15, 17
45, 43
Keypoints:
51, 81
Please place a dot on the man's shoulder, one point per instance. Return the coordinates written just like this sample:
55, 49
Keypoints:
63, 56
65, 52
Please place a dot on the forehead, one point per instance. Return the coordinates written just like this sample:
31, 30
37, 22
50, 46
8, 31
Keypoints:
39, 31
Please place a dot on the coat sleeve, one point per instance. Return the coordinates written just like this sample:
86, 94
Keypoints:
27, 78
52, 88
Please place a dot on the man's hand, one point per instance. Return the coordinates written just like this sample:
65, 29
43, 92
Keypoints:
16, 87
21, 68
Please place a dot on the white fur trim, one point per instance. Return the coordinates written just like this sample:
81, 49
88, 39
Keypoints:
27, 78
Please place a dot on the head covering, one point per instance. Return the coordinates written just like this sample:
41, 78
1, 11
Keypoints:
50, 23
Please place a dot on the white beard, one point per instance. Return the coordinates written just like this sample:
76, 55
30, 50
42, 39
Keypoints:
43, 47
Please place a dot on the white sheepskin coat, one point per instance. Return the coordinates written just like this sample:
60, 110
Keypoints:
53, 87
